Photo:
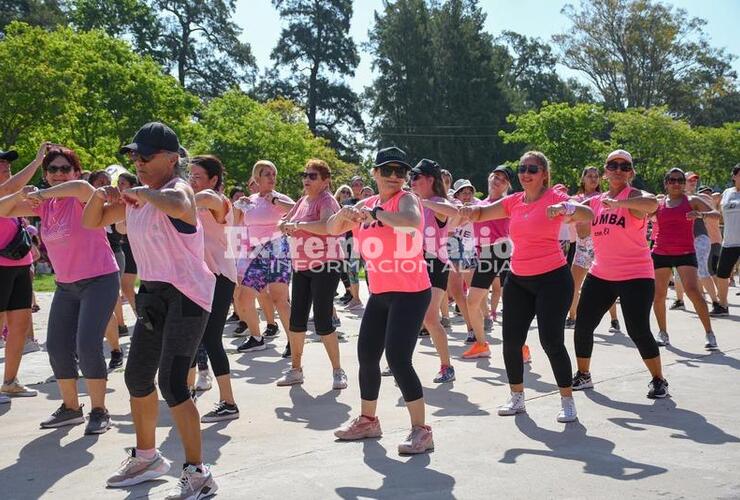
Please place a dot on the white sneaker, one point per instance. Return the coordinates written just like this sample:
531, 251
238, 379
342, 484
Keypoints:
339, 379
135, 470
568, 411
204, 381
17, 390
514, 405
194, 484
711, 342
291, 377
31, 345
662, 339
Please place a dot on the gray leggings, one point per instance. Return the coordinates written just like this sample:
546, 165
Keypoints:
79, 314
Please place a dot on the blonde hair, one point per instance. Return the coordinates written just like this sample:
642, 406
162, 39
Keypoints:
340, 189
260, 166
542, 160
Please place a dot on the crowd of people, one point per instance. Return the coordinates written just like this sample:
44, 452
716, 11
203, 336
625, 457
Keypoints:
424, 242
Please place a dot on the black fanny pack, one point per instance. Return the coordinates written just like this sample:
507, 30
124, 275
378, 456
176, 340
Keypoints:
19, 246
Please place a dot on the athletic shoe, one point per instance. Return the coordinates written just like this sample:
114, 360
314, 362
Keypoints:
293, 376
354, 305
477, 351
233, 318
445, 322
240, 330
252, 344
195, 483
345, 298
513, 405
526, 356
570, 323
222, 411
122, 331
662, 339
568, 411
14, 389
98, 421
204, 381
4, 399
64, 416
386, 372
710, 343
487, 324
31, 345
193, 394
336, 322
718, 310
339, 379
286, 352
360, 428
424, 332
658, 388
419, 440
271, 330
445, 374
135, 470
116, 360
615, 328
582, 381
677, 304
470, 339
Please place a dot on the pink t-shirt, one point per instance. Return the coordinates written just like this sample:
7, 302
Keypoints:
490, 232
534, 237
76, 253
309, 250
8, 229
262, 220
435, 235
218, 255
394, 259
621, 250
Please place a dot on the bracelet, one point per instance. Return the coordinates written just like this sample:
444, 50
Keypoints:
570, 208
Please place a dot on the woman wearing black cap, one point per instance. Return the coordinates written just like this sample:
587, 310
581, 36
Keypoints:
173, 304
400, 295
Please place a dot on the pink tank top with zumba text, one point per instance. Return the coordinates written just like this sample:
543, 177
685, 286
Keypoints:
218, 255
621, 250
435, 234
676, 235
394, 258
163, 253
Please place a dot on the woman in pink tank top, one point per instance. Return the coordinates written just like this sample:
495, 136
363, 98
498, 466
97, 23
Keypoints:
621, 268
173, 304
674, 248
388, 234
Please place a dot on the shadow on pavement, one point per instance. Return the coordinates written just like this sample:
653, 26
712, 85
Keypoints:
321, 413
694, 360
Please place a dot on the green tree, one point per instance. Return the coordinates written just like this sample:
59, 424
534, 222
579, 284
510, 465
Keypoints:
718, 151
47, 14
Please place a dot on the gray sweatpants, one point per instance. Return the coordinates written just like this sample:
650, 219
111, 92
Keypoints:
78, 317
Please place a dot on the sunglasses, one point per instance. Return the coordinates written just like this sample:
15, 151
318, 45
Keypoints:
311, 175
530, 168
624, 166
348, 193
675, 180
53, 169
135, 156
387, 170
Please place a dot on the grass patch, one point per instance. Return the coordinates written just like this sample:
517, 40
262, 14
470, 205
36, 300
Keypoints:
44, 283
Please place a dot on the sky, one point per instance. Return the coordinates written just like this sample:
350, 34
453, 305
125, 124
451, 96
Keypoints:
534, 18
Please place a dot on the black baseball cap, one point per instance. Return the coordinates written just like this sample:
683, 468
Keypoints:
153, 137
427, 167
8, 155
506, 170
391, 155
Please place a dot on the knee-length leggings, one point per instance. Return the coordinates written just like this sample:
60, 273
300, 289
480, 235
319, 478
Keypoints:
212, 342
547, 296
391, 322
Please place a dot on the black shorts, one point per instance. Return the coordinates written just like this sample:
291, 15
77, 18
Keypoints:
671, 261
727, 260
16, 288
439, 272
714, 253
130, 265
493, 261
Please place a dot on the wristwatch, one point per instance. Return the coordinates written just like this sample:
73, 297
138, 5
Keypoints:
374, 212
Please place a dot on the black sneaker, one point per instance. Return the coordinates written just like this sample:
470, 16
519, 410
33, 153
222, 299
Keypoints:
122, 331
570, 323
344, 301
271, 331
424, 332
252, 344
582, 381
345, 298
470, 338
64, 416
718, 310
677, 304
233, 318
658, 388
116, 361
614, 326
222, 411
241, 328
286, 352
98, 421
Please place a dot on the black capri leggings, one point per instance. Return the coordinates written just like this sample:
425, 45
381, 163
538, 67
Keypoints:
314, 287
635, 297
212, 337
727, 260
391, 322
547, 296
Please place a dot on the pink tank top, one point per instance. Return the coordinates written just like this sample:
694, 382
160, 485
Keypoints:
676, 235
621, 250
164, 254
76, 253
490, 232
218, 255
435, 235
8, 230
309, 250
394, 259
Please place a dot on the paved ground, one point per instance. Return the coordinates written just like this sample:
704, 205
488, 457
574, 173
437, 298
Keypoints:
623, 446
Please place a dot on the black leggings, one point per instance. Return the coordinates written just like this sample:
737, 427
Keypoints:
314, 288
392, 321
212, 338
547, 296
727, 260
635, 297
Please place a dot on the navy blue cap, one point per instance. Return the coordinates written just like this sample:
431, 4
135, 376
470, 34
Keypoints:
391, 155
427, 167
8, 155
152, 138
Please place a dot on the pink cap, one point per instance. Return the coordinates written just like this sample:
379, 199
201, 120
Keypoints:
619, 154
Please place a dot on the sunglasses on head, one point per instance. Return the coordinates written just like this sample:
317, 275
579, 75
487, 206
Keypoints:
53, 169
398, 170
135, 156
675, 180
621, 165
311, 175
529, 168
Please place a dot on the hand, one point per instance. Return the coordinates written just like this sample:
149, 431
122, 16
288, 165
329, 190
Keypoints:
32, 195
133, 196
693, 215
466, 213
109, 194
350, 214
43, 149
610, 203
366, 215
286, 227
555, 210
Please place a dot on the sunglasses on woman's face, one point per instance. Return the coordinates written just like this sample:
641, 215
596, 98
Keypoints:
387, 170
311, 175
135, 156
621, 165
529, 168
675, 180
346, 193
53, 169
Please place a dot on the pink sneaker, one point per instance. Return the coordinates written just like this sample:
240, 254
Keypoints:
420, 440
360, 428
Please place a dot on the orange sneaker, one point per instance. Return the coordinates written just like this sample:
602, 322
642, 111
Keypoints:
477, 351
526, 356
